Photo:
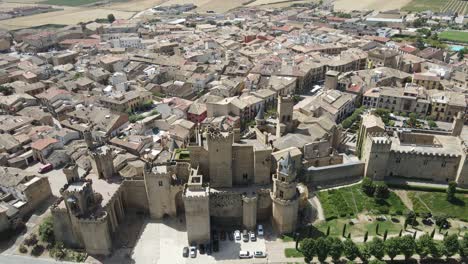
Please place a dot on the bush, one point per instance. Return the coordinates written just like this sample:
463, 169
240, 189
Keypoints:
368, 186
451, 190
31, 240
46, 231
37, 250
381, 191
23, 249
441, 220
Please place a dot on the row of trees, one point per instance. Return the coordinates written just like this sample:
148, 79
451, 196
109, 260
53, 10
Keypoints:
379, 191
407, 246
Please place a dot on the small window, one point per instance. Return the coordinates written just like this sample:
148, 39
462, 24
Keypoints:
245, 176
160, 183
425, 162
398, 160
283, 179
281, 194
444, 163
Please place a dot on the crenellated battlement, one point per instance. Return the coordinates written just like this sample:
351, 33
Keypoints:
380, 138
65, 190
215, 134
424, 153
98, 218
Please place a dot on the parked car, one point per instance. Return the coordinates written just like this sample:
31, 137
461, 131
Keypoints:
259, 254
193, 252
244, 254
185, 252
231, 236
46, 168
252, 236
260, 231
237, 235
201, 248
245, 235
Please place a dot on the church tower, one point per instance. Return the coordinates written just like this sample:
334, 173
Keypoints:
284, 122
285, 196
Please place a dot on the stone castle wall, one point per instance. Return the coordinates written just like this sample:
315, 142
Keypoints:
134, 195
226, 208
334, 174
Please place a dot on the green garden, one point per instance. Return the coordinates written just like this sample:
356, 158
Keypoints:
455, 36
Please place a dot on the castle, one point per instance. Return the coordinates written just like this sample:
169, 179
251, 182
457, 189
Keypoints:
225, 182
419, 155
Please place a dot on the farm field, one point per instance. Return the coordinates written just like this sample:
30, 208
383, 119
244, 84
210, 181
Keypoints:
69, 16
379, 5
69, 2
456, 36
459, 6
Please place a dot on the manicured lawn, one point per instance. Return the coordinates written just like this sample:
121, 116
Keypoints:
423, 5
436, 202
292, 253
457, 36
350, 201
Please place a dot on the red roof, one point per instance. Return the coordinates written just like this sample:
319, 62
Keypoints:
408, 49
43, 143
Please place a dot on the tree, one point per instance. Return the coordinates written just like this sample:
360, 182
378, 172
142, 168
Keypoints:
407, 246
366, 236
410, 218
377, 248
420, 43
46, 230
451, 245
6, 90
365, 253
376, 261
350, 249
328, 230
111, 18
368, 186
401, 232
308, 249
451, 190
463, 248
385, 235
437, 250
381, 191
433, 233
432, 124
322, 246
377, 229
441, 220
462, 53
336, 248
392, 247
424, 244
344, 231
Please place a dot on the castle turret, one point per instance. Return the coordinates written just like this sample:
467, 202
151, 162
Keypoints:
260, 118
457, 126
220, 157
196, 198
88, 137
284, 122
103, 162
285, 196
161, 201
71, 173
375, 154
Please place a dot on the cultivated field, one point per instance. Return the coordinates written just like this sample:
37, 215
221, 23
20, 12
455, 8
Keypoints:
379, 5
457, 6
455, 36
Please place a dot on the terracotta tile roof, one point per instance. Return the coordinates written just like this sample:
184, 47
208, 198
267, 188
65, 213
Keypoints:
43, 143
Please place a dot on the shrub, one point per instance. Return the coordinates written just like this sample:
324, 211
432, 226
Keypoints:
37, 250
46, 230
441, 220
31, 240
368, 186
23, 249
381, 191
451, 190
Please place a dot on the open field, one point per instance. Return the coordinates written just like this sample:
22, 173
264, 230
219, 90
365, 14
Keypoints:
69, 2
456, 36
69, 16
379, 5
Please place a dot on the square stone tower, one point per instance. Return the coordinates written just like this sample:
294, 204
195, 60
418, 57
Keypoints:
284, 122
220, 157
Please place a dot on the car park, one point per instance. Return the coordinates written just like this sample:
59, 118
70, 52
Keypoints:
244, 254
185, 252
259, 254
193, 252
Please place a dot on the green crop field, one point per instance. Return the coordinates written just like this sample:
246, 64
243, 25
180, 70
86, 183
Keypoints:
456, 36
423, 5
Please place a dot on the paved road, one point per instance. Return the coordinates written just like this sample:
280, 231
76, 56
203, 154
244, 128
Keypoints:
14, 259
